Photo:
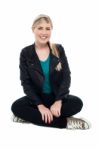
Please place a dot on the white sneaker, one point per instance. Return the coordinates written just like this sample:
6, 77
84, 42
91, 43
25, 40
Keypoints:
77, 123
17, 119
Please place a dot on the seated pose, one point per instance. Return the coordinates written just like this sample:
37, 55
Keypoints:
45, 77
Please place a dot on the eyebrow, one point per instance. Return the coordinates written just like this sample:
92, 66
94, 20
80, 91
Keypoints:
45, 27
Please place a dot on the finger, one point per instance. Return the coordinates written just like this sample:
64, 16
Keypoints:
43, 117
52, 111
56, 113
59, 113
49, 118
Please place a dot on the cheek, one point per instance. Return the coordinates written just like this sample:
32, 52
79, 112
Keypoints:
49, 34
37, 35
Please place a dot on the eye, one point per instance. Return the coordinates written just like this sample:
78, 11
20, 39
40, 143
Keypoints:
48, 28
40, 28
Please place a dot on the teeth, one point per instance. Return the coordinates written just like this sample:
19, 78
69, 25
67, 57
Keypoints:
43, 37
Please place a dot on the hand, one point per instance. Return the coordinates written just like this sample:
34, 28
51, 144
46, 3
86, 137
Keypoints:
56, 108
46, 113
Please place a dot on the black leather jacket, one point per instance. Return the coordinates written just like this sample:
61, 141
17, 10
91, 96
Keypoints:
32, 78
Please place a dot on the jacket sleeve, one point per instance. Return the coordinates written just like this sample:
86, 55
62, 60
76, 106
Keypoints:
63, 90
26, 82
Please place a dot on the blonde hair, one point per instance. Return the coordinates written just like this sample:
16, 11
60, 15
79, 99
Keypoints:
53, 46
55, 52
40, 18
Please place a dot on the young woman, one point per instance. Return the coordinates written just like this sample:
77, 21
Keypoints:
45, 77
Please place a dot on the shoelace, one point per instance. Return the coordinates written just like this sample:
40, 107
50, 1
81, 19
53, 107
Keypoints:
75, 123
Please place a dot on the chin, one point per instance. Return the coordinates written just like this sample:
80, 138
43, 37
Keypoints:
44, 42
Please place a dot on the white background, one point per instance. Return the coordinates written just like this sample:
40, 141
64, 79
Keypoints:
76, 27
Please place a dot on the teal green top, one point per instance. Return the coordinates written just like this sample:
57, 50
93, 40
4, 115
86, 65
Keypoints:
45, 68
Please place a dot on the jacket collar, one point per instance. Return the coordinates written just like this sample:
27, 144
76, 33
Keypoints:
36, 63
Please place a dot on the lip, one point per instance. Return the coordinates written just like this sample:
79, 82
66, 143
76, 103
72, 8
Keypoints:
43, 37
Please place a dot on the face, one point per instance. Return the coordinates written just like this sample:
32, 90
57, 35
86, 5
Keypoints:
42, 32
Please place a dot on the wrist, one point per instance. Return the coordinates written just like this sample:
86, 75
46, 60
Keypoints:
40, 106
58, 101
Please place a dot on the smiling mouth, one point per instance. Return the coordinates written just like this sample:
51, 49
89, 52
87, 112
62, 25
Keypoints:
43, 37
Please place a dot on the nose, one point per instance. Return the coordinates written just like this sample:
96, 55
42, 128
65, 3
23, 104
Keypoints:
44, 31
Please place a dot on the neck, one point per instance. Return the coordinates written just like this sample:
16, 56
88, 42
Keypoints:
41, 46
